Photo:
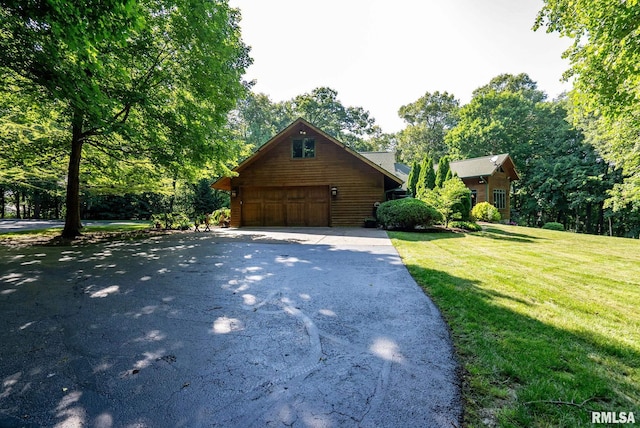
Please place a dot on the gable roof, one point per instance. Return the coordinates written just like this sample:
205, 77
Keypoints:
484, 166
303, 127
387, 160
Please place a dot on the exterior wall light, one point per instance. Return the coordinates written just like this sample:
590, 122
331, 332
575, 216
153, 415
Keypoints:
334, 191
234, 193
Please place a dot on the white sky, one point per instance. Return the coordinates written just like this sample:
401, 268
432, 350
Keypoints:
382, 54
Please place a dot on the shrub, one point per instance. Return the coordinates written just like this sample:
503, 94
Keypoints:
452, 200
484, 211
552, 225
466, 225
171, 221
406, 214
215, 216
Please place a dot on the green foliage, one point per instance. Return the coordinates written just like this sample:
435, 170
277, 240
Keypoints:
498, 120
197, 199
466, 225
443, 171
172, 220
606, 95
406, 214
484, 211
562, 177
427, 176
452, 200
428, 121
552, 225
257, 119
122, 207
217, 214
412, 181
135, 80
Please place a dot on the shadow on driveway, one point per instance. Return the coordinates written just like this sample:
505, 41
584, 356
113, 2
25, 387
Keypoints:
232, 328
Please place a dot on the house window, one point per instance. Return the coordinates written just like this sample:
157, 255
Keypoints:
500, 198
474, 198
302, 148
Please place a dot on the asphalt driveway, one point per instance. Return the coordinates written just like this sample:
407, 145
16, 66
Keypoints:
234, 328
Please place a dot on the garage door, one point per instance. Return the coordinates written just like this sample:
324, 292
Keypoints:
285, 206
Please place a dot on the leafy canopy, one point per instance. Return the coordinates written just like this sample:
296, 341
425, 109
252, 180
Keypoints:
428, 120
141, 79
605, 65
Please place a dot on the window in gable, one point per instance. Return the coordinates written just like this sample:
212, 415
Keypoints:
303, 148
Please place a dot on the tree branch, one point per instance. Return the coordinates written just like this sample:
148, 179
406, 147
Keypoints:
561, 403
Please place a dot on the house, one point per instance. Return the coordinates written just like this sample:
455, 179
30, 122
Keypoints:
305, 177
387, 161
489, 179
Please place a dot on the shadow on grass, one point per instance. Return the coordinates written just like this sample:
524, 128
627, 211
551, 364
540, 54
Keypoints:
503, 235
415, 236
520, 371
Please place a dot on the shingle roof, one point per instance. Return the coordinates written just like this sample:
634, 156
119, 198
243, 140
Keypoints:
387, 160
483, 166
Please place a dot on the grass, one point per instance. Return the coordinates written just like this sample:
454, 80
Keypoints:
89, 232
546, 324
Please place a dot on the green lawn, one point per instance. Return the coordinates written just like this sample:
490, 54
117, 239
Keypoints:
124, 227
546, 324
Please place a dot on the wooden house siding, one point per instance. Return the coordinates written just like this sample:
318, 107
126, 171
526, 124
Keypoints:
274, 189
484, 191
486, 174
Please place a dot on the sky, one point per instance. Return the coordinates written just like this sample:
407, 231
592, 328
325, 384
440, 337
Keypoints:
383, 54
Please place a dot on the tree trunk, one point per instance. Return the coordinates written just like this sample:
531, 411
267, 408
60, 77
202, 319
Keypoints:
37, 204
17, 196
2, 202
72, 224
601, 218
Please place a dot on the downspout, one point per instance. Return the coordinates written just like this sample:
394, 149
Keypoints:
486, 185
486, 189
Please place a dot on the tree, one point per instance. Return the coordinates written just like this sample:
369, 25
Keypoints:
443, 171
350, 125
604, 64
30, 164
519, 83
452, 200
202, 199
428, 121
427, 177
138, 78
496, 121
412, 180
257, 119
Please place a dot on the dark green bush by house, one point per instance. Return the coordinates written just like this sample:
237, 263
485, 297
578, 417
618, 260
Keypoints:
553, 226
406, 214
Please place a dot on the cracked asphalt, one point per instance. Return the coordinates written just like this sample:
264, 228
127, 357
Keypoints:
235, 328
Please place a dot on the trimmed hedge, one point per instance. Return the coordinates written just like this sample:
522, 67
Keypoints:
484, 211
407, 214
552, 225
